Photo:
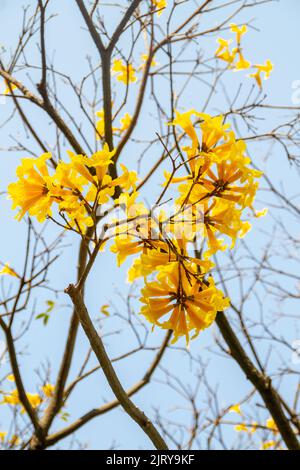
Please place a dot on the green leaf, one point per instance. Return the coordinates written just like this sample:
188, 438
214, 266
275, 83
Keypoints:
45, 315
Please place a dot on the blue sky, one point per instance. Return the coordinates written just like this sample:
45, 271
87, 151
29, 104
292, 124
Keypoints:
276, 37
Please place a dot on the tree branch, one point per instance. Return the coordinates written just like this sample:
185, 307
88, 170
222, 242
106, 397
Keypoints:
261, 382
97, 345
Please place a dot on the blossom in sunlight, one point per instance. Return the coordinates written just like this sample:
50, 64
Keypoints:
184, 121
270, 424
179, 293
124, 73
32, 192
191, 304
14, 441
159, 253
34, 399
125, 246
239, 31
100, 125
10, 378
3, 435
11, 398
223, 51
100, 161
241, 427
128, 179
268, 445
183, 296
8, 270
125, 122
76, 187
159, 5
144, 59
262, 68
235, 409
48, 390
242, 63
8, 89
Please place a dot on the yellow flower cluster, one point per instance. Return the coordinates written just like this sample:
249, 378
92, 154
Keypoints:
12, 398
235, 58
77, 187
270, 425
35, 399
220, 179
181, 294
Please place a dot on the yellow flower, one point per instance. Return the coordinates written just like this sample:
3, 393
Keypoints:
124, 73
3, 435
262, 68
242, 63
77, 215
235, 409
223, 52
100, 125
213, 129
15, 440
267, 445
124, 246
125, 122
241, 427
270, 424
32, 192
48, 390
144, 58
9, 90
11, 399
240, 31
160, 5
191, 303
253, 427
11, 378
8, 270
184, 120
159, 253
100, 161
127, 180
34, 399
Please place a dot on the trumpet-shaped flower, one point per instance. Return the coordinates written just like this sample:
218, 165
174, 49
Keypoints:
262, 68
124, 73
160, 5
191, 304
239, 31
32, 193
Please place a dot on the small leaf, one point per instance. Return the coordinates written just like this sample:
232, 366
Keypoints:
65, 416
40, 315
51, 305
45, 315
